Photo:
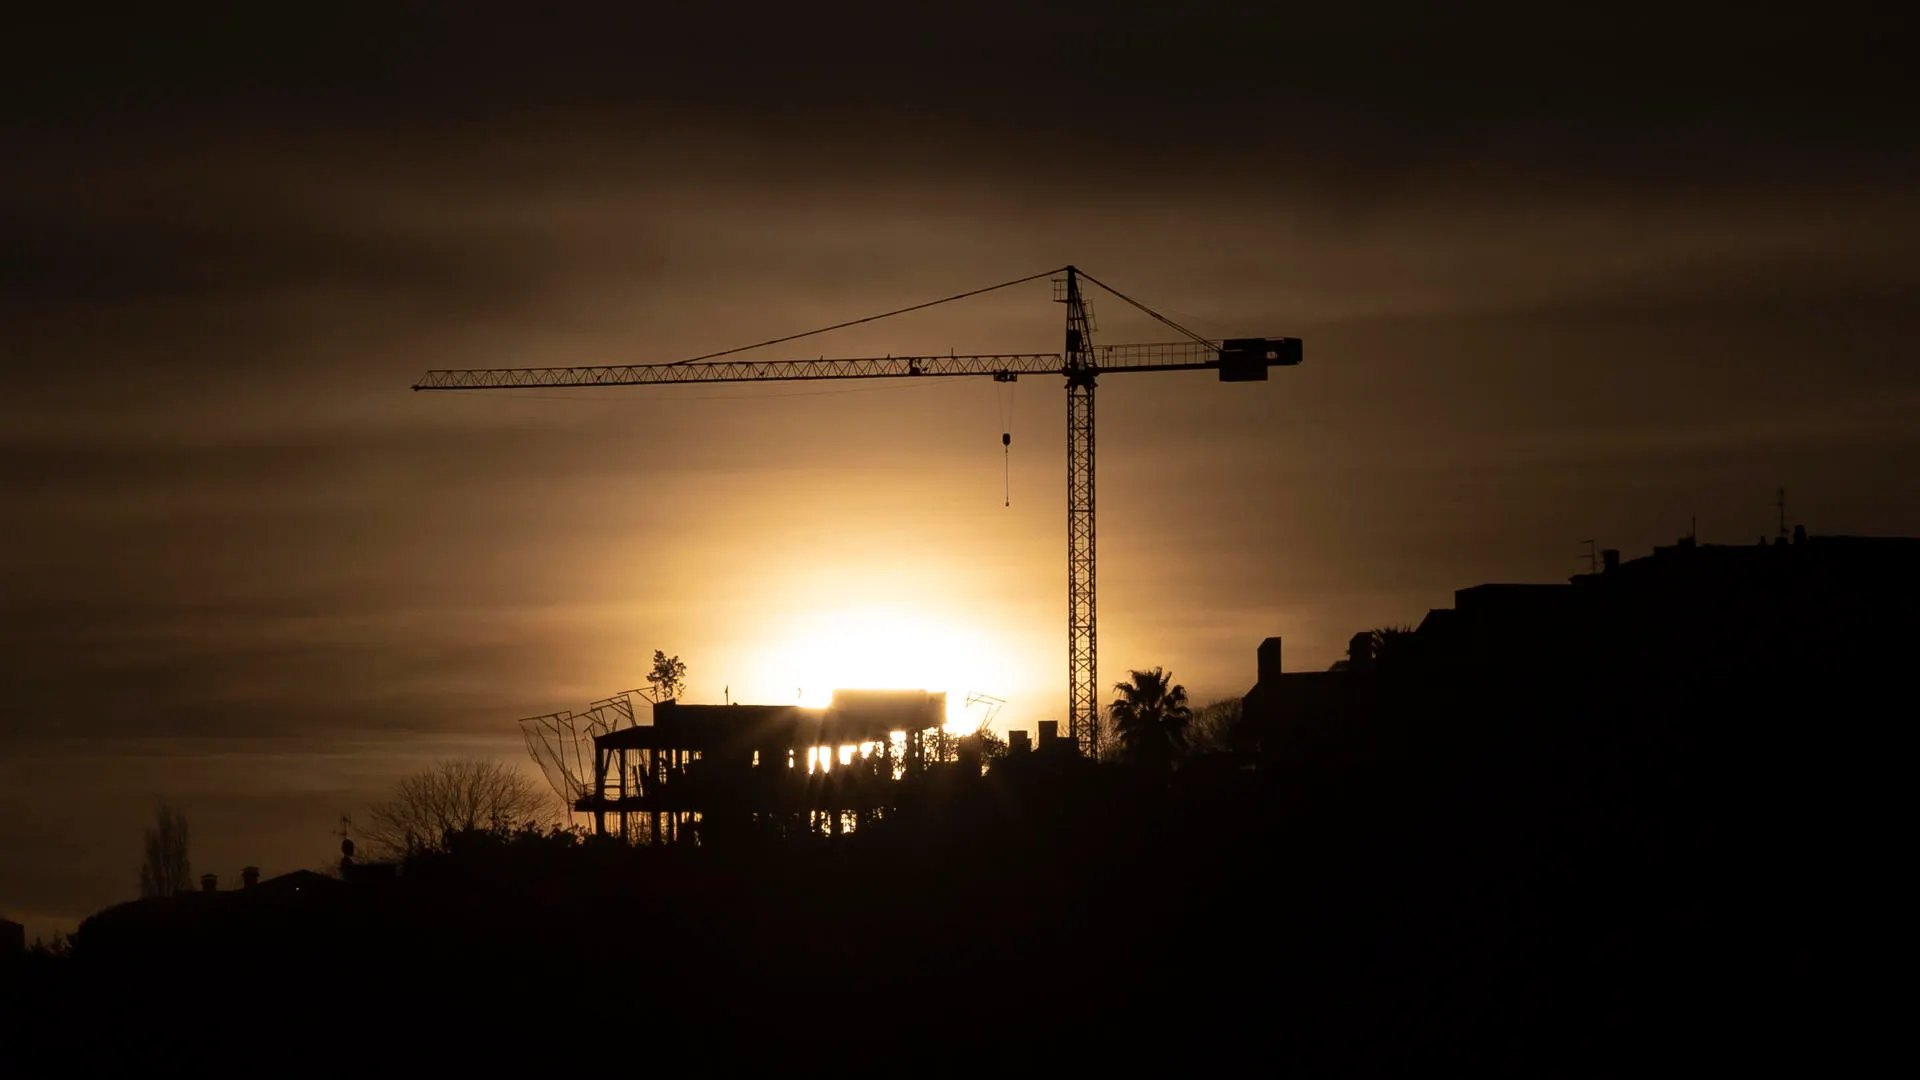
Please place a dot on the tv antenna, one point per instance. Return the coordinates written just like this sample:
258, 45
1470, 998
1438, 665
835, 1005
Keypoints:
344, 830
1780, 504
1593, 557
991, 704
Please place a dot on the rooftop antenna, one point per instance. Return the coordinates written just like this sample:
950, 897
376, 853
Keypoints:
1780, 504
344, 831
1593, 557
991, 703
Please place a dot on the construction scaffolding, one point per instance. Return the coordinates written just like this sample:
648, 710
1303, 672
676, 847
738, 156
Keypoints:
561, 743
698, 772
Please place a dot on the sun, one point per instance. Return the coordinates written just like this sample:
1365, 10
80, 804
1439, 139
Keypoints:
876, 648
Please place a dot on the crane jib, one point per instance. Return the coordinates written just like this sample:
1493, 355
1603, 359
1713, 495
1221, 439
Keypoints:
1237, 360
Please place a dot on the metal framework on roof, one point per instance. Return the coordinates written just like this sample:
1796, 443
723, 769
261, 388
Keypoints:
713, 769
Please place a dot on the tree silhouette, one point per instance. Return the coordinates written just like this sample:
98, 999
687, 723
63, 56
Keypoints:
451, 799
1150, 718
668, 677
992, 746
1213, 725
1388, 645
164, 870
1111, 746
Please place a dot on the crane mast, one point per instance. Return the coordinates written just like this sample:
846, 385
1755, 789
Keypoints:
1080, 363
1083, 674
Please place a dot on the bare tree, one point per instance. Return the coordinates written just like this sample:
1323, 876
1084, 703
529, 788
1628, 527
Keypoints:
1212, 726
668, 677
454, 797
164, 870
1112, 750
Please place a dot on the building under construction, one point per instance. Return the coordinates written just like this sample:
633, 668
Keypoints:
709, 770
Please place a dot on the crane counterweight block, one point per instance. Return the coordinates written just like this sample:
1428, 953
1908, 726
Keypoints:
1247, 359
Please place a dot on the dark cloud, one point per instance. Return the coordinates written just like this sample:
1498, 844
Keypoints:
213, 244
1652, 93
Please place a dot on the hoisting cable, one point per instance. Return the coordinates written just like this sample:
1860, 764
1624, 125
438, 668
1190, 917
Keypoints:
1006, 440
882, 315
1204, 341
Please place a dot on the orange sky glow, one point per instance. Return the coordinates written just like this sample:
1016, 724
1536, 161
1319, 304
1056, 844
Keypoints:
253, 573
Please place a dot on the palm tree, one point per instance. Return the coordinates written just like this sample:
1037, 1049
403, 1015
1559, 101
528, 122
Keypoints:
1150, 717
1381, 647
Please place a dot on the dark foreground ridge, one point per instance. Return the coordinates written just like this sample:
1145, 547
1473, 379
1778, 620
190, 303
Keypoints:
1567, 858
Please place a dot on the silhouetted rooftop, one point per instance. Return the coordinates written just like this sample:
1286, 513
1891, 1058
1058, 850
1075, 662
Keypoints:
293, 882
855, 716
1685, 606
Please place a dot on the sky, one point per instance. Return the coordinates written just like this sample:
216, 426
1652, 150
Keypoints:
1611, 278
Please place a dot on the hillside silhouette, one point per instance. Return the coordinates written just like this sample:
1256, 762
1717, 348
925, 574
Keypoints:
1554, 827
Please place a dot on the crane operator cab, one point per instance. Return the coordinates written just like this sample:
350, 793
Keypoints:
1247, 359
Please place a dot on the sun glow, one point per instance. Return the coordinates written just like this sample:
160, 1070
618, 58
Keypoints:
876, 648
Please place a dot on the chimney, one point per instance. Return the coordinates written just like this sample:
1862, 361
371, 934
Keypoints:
1269, 654
209, 882
1049, 731
1799, 534
249, 876
1610, 560
1018, 743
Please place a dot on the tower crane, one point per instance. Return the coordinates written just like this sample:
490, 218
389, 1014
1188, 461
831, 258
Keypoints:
1080, 364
